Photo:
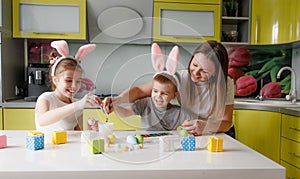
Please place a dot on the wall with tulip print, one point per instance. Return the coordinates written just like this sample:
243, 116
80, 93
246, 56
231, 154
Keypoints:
254, 71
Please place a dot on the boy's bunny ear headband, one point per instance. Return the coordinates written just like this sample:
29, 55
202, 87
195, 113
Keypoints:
159, 63
62, 48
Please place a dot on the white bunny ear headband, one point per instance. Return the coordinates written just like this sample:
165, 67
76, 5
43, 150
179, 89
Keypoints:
62, 48
159, 63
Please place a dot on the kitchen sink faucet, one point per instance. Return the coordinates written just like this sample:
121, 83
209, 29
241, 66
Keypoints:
293, 92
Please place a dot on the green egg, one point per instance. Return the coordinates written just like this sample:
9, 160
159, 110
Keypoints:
184, 133
139, 138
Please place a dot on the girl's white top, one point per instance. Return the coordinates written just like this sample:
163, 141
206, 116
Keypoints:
194, 97
67, 123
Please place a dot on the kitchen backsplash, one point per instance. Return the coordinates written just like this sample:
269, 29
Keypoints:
255, 70
114, 68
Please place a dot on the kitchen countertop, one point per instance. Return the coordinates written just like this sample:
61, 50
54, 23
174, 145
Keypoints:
72, 160
274, 106
238, 104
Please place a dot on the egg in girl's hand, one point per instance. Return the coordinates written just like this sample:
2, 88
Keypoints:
131, 139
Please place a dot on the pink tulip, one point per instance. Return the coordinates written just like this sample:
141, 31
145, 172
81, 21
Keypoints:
271, 90
239, 57
235, 73
87, 85
245, 86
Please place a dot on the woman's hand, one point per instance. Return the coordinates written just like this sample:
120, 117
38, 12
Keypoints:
195, 127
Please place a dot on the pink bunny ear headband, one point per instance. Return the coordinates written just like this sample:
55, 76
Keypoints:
159, 63
62, 48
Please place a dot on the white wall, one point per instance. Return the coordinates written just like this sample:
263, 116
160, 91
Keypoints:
296, 67
114, 68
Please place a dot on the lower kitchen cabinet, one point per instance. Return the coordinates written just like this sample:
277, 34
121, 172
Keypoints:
129, 123
259, 130
290, 145
18, 119
1, 120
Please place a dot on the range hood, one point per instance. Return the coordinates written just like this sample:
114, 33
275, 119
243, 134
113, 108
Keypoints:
121, 22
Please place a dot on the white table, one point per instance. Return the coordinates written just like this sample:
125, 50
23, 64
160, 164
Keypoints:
71, 160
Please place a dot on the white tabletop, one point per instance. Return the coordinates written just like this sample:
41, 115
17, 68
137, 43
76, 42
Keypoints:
72, 160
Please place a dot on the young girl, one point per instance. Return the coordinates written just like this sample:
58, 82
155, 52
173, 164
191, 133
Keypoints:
58, 110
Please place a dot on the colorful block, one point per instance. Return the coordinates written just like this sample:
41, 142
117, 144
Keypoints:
95, 146
59, 137
33, 133
35, 142
215, 144
3, 141
188, 143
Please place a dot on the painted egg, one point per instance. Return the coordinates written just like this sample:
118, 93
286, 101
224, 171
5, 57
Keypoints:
139, 138
131, 139
111, 138
184, 133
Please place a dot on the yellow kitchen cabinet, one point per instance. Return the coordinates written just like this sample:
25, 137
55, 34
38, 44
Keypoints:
259, 130
49, 19
186, 21
297, 19
273, 25
129, 123
1, 120
290, 145
18, 119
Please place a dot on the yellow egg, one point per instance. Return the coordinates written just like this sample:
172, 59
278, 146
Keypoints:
111, 138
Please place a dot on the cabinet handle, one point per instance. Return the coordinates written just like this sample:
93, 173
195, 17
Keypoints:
184, 37
294, 154
294, 129
50, 33
290, 177
256, 30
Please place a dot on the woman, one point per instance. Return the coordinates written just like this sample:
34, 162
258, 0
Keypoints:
203, 90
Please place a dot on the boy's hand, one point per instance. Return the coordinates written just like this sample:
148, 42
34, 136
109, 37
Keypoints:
107, 105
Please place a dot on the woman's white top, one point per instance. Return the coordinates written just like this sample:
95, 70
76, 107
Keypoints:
67, 123
194, 97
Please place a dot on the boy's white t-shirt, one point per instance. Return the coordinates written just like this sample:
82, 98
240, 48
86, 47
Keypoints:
67, 123
194, 97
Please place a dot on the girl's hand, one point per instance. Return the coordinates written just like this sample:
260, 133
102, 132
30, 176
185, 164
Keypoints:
195, 127
88, 100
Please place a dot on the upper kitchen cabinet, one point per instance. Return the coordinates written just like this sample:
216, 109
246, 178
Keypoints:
186, 20
274, 25
236, 21
49, 19
120, 22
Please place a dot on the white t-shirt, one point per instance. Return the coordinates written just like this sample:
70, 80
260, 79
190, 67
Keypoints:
194, 97
67, 123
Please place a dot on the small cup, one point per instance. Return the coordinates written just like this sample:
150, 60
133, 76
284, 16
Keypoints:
168, 143
105, 128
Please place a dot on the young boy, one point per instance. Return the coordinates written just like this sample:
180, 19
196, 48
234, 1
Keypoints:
157, 113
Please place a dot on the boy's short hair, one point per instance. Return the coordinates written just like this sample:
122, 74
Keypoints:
165, 78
